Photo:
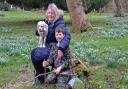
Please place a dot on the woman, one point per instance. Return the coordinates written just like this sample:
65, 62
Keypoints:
54, 19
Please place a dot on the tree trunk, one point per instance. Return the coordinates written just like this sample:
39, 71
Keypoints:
118, 8
126, 5
79, 21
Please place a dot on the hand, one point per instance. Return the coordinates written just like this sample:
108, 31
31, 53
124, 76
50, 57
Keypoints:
45, 63
57, 70
60, 54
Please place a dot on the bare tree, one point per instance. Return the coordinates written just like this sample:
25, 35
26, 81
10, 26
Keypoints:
79, 20
118, 8
125, 3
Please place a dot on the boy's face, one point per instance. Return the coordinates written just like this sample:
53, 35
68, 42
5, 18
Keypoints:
59, 36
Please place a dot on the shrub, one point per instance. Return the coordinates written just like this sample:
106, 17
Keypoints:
4, 6
113, 33
5, 29
110, 56
95, 4
16, 45
1, 13
3, 59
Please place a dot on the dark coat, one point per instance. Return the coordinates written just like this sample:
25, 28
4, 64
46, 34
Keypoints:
51, 34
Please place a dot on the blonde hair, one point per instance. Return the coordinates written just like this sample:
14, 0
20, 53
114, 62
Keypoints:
58, 12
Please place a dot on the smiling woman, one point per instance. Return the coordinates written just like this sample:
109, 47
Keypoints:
54, 19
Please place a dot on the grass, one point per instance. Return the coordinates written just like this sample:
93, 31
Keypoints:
20, 16
105, 48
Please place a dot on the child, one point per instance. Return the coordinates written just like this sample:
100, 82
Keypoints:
62, 70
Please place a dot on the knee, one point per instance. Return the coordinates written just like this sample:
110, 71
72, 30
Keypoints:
33, 54
51, 78
39, 54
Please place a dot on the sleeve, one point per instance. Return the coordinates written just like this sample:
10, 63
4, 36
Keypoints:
67, 62
51, 59
65, 42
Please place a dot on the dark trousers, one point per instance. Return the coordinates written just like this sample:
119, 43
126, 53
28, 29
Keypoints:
38, 55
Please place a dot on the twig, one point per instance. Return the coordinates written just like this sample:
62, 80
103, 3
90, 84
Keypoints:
46, 87
43, 74
52, 72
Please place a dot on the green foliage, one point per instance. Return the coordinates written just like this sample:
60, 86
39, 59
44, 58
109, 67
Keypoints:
1, 0
5, 29
17, 38
60, 3
3, 58
4, 6
16, 45
14, 17
26, 4
95, 4
29, 4
112, 33
14, 2
124, 80
94, 49
112, 57
118, 29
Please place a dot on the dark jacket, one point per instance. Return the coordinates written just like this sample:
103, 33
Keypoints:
51, 34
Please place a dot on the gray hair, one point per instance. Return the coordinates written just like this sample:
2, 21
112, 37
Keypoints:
59, 13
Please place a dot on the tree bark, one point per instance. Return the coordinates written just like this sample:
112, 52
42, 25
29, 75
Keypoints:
79, 21
118, 8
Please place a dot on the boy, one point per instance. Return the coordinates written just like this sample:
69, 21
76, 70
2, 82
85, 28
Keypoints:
61, 67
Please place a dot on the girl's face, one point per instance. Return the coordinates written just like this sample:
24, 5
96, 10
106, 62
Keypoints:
59, 36
51, 15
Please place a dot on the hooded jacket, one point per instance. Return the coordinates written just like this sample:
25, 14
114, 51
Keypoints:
64, 44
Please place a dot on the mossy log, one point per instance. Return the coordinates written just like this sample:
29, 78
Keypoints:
80, 66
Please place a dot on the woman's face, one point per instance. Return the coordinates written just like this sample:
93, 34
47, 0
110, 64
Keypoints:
51, 15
